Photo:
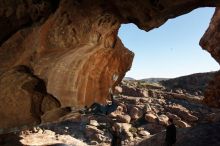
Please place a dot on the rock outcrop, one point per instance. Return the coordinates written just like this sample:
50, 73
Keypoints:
25, 99
210, 42
73, 47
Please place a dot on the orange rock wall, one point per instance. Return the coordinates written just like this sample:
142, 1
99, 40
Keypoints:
72, 46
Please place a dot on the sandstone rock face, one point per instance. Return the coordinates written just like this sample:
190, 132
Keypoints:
28, 101
212, 92
16, 15
210, 42
73, 47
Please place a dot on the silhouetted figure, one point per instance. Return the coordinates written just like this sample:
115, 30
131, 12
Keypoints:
111, 107
116, 137
97, 108
170, 133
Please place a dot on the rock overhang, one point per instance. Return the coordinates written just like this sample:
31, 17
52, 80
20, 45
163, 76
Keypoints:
73, 47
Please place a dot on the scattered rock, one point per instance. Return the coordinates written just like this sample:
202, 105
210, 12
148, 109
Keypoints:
147, 108
144, 133
118, 90
173, 116
135, 113
92, 130
153, 128
213, 117
118, 111
131, 91
93, 123
145, 93
123, 118
122, 126
150, 118
181, 124
183, 113
94, 142
163, 120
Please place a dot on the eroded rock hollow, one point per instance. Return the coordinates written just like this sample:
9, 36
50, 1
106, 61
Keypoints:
56, 54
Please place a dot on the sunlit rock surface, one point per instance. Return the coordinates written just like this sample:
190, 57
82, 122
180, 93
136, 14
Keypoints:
72, 46
210, 42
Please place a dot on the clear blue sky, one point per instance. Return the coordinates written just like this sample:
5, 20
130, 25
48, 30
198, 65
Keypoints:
171, 50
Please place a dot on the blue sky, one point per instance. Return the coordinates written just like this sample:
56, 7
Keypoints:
171, 50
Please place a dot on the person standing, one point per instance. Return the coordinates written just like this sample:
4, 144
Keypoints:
170, 133
116, 137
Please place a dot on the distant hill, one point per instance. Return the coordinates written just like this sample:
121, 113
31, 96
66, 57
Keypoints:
154, 80
191, 83
128, 78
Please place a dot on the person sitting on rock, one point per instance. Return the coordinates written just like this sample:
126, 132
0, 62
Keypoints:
96, 108
170, 133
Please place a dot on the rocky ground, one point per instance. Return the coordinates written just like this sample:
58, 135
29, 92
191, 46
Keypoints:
141, 116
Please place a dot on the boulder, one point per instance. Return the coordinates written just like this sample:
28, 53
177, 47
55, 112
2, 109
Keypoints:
124, 128
118, 111
183, 113
181, 124
213, 117
93, 123
132, 91
144, 133
145, 93
147, 108
123, 118
172, 116
118, 90
136, 113
152, 93
144, 100
163, 120
92, 130
150, 117
153, 128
